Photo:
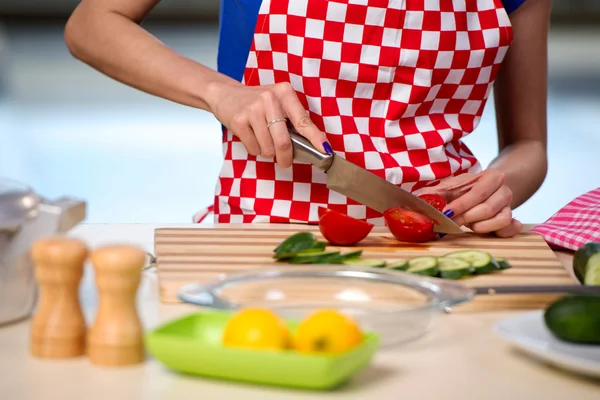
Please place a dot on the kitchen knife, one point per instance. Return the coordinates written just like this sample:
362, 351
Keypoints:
537, 289
365, 187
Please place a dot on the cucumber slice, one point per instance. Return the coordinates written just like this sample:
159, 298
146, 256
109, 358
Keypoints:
586, 264
401, 265
318, 257
503, 264
575, 318
365, 262
453, 268
592, 274
309, 251
423, 266
341, 257
481, 261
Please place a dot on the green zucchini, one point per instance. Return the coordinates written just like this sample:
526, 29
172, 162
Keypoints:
401, 265
586, 264
423, 266
575, 318
365, 262
313, 257
481, 261
502, 263
453, 268
298, 242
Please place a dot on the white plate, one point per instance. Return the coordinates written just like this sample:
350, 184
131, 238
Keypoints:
529, 333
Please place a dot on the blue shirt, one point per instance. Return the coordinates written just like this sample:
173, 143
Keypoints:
237, 21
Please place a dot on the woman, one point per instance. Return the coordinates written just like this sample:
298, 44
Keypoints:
390, 85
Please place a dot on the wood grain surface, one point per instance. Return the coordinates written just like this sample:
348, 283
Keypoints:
199, 254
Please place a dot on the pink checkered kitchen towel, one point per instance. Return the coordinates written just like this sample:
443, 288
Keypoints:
575, 224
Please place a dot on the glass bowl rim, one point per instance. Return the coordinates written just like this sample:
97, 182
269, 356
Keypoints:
442, 293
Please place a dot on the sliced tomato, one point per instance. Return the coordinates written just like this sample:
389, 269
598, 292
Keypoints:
341, 229
435, 200
408, 226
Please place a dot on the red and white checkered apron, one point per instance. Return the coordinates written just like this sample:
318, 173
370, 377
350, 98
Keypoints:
394, 84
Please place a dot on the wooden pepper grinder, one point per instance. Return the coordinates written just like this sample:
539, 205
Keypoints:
116, 337
58, 327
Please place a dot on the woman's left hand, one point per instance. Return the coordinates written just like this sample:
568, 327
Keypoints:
480, 202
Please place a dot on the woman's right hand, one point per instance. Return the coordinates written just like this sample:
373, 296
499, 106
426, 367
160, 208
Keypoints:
247, 110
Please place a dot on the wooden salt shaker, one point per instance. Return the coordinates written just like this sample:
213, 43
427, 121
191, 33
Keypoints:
116, 337
58, 327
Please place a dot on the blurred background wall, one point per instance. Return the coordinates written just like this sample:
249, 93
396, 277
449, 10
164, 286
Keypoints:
67, 129
185, 9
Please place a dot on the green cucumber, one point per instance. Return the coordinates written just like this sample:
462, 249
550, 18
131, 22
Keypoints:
453, 268
313, 257
297, 242
365, 262
502, 263
586, 264
575, 318
401, 265
423, 266
481, 261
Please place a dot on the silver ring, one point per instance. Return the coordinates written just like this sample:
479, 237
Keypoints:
276, 120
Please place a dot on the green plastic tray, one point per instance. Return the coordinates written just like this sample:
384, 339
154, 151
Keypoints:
192, 345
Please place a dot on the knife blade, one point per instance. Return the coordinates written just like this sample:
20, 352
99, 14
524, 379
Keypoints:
537, 289
365, 187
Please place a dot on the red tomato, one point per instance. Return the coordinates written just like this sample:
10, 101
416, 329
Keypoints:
435, 200
408, 226
340, 229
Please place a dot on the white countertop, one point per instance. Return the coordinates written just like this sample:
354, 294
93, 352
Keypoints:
462, 358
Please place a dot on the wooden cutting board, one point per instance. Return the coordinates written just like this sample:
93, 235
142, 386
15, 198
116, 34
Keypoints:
199, 254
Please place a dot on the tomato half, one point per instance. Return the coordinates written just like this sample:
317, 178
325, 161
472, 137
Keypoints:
435, 200
340, 229
408, 226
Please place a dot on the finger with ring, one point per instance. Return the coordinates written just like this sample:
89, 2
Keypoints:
275, 121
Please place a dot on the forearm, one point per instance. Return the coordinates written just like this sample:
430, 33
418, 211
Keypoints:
118, 47
520, 95
524, 165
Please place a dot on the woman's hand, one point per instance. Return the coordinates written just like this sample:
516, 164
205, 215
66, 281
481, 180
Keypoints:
247, 110
480, 202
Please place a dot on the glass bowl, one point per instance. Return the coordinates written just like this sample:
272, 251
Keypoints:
397, 305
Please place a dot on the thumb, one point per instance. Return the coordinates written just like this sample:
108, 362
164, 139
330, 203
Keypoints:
513, 229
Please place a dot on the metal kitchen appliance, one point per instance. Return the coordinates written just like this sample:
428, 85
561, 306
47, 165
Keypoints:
24, 218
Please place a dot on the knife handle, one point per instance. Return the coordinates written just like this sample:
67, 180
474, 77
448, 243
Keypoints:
304, 151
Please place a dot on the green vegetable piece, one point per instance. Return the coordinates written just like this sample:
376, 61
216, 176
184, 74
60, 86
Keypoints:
365, 262
482, 262
586, 264
298, 242
317, 257
401, 265
575, 319
453, 268
503, 263
425, 265
342, 257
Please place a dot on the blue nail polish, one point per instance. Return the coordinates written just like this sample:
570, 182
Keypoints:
449, 213
328, 148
